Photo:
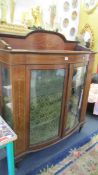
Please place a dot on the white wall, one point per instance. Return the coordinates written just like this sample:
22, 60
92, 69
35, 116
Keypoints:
27, 5
68, 14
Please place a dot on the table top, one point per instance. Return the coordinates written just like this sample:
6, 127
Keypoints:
6, 133
93, 93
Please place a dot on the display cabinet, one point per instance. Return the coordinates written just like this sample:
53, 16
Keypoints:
44, 84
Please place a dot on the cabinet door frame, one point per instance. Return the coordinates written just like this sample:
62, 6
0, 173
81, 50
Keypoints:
71, 70
29, 68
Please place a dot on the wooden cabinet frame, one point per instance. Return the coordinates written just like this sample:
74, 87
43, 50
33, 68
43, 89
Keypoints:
41, 50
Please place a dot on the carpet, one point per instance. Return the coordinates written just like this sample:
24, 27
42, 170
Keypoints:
81, 161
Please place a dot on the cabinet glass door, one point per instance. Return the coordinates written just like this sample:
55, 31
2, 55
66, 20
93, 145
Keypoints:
46, 89
75, 98
6, 101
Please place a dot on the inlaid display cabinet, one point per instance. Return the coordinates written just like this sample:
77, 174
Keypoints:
44, 84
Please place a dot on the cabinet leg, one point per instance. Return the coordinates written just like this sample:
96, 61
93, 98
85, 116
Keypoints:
17, 163
80, 128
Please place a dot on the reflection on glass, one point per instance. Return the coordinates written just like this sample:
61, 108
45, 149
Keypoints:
0, 92
6, 95
46, 89
76, 97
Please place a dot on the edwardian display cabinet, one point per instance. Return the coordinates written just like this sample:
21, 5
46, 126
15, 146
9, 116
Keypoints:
44, 84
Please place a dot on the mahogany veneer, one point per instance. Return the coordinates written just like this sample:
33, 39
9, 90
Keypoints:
20, 58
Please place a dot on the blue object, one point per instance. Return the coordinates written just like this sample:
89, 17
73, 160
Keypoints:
10, 157
7, 136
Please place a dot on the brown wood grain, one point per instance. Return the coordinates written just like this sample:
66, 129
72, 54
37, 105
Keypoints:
41, 50
19, 106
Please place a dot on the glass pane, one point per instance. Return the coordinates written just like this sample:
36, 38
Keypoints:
6, 95
46, 89
0, 91
76, 97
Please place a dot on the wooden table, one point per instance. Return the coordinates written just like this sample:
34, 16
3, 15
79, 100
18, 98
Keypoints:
7, 136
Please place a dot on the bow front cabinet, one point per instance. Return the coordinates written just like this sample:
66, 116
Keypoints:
44, 84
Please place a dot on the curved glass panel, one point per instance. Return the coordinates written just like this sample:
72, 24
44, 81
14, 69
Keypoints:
46, 89
6, 109
76, 97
